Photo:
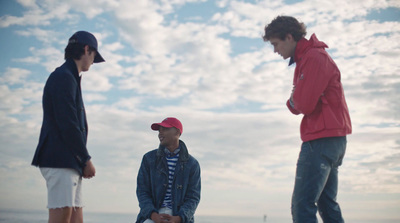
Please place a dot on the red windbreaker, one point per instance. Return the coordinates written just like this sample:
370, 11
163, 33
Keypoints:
318, 92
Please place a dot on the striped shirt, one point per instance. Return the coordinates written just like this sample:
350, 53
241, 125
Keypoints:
172, 159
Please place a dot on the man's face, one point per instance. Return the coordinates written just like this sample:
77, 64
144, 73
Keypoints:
285, 47
168, 136
87, 59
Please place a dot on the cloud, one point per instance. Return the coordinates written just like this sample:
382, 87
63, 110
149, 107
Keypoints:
17, 93
14, 76
38, 14
47, 37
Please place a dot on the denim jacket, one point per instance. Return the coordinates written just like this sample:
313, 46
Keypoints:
152, 183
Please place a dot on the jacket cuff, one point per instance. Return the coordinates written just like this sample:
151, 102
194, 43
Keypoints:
151, 212
83, 161
290, 106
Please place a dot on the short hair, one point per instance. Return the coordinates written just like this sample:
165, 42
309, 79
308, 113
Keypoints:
281, 26
76, 50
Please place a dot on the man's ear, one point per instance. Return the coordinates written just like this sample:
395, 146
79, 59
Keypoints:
178, 132
289, 37
86, 49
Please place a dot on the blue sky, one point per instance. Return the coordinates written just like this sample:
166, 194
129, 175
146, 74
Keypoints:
205, 63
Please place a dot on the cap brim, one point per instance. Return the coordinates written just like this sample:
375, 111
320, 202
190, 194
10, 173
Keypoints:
156, 126
98, 58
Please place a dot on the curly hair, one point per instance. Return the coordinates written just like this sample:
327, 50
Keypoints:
283, 25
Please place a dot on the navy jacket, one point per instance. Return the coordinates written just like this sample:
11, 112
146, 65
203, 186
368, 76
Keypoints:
63, 136
152, 182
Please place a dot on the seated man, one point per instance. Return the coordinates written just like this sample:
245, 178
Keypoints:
168, 182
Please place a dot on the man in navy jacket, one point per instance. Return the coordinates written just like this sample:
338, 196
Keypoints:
61, 153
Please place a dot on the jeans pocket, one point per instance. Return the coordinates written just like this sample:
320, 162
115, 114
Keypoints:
334, 149
305, 153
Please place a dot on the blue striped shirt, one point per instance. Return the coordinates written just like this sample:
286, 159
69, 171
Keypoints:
172, 159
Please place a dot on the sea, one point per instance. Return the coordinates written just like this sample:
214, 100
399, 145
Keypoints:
30, 216
27, 216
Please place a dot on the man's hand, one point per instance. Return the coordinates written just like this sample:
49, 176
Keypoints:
89, 171
170, 219
291, 97
156, 217
165, 218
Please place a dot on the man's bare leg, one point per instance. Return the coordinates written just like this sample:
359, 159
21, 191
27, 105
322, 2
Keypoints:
60, 215
66, 215
77, 215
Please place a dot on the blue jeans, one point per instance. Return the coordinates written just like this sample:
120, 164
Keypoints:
316, 182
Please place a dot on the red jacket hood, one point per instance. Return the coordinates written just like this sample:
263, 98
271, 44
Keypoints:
303, 45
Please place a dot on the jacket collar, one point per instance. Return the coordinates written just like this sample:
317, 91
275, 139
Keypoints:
183, 154
71, 65
303, 45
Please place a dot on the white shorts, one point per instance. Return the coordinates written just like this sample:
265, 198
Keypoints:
64, 187
164, 210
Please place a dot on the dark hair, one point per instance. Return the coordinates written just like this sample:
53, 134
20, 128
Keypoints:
283, 25
76, 50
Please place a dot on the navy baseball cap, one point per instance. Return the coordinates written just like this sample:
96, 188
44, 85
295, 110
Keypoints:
86, 38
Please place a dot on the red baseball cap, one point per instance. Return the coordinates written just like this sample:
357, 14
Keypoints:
168, 123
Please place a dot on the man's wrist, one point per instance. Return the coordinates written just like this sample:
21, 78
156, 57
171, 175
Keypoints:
152, 215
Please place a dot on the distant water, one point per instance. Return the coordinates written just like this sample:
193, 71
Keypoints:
22, 216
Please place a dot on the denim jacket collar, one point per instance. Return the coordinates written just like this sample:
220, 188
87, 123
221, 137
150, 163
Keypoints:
173, 154
183, 153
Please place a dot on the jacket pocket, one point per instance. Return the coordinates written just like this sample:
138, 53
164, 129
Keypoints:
331, 118
314, 122
179, 197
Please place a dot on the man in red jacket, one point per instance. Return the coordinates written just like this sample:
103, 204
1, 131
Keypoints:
318, 95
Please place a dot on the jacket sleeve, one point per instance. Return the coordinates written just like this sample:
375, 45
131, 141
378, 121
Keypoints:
192, 199
291, 108
315, 74
143, 190
63, 93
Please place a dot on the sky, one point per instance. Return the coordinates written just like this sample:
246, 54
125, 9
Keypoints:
205, 63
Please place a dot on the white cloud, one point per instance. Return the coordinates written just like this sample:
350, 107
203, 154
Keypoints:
48, 37
16, 92
14, 76
28, 3
94, 97
38, 14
